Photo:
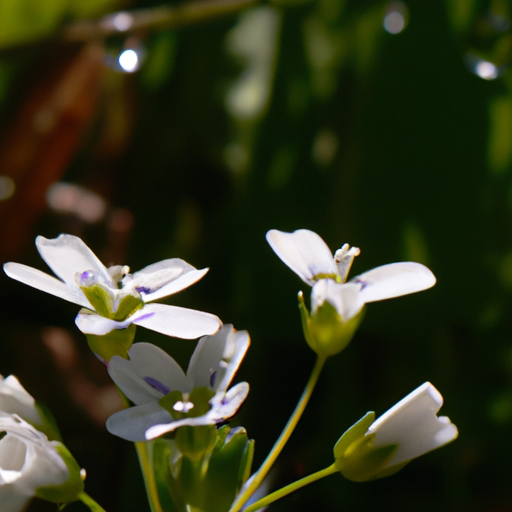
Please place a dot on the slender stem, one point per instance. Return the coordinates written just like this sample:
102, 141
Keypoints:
87, 500
149, 477
262, 472
281, 493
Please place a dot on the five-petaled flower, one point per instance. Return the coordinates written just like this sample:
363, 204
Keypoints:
112, 297
375, 449
166, 398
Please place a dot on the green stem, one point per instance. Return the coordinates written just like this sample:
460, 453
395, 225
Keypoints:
149, 477
146, 467
262, 472
87, 500
281, 493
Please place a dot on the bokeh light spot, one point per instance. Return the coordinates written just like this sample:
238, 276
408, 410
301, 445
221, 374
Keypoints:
129, 61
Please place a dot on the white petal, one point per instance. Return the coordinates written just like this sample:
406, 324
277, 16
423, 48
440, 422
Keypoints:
158, 430
67, 254
229, 404
90, 322
28, 459
175, 321
148, 375
304, 252
46, 283
164, 278
346, 298
12, 500
131, 424
14, 399
217, 358
412, 424
394, 280
241, 342
179, 284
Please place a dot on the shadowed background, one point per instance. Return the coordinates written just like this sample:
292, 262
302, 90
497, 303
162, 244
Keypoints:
189, 130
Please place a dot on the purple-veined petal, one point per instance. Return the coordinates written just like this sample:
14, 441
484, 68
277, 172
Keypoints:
90, 322
413, 425
226, 406
177, 285
346, 298
217, 358
148, 375
175, 321
131, 424
163, 278
394, 280
46, 283
304, 252
67, 254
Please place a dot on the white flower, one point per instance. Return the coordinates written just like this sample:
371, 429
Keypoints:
311, 259
28, 462
14, 399
113, 298
151, 375
409, 429
413, 425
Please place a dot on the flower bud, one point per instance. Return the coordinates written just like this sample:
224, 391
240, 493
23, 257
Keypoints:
375, 449
30, 465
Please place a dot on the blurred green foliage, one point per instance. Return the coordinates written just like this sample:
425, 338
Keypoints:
282, 114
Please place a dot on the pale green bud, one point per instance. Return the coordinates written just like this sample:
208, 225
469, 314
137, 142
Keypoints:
325, 330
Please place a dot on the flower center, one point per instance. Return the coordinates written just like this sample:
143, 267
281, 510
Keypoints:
187, 405
109, 302
343, 258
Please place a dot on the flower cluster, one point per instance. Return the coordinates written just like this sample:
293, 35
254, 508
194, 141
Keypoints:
178, 419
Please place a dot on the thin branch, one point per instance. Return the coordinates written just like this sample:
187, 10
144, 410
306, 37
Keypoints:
157, 18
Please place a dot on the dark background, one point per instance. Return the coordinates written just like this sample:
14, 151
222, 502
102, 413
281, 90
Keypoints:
287, 115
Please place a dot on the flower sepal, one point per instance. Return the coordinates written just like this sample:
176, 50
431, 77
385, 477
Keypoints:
209, 484
115, 343
72, 488
229, 467
355, 456
324, 329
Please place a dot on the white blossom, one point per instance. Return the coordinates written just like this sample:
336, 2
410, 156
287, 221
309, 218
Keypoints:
112, 297
413, 426
151, 374
28, 462
311, 259
375, 449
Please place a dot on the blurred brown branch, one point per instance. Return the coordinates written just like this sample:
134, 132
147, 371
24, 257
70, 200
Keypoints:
158, 18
